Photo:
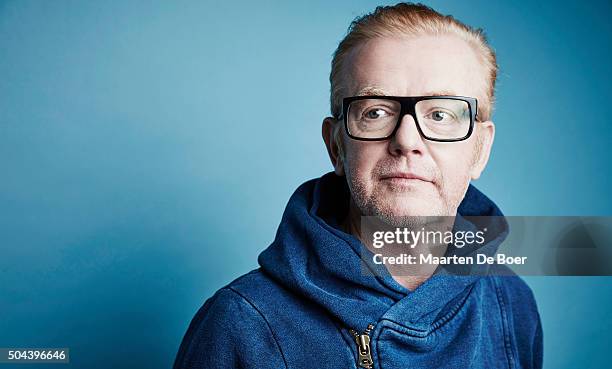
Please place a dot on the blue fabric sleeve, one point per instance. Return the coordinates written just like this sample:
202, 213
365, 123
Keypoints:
524, 320
538, 346
229, 332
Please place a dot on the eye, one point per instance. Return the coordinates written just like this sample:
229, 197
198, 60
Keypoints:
440, 116
376, 113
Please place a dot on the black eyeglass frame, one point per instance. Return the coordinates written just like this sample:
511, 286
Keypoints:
408, 104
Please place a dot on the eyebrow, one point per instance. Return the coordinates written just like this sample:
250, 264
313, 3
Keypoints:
371, 91
376, 91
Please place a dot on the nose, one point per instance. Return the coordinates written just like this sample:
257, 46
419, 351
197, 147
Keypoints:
407, 138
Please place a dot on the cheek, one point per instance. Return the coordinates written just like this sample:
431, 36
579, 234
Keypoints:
454, 164
455, 159
361, 159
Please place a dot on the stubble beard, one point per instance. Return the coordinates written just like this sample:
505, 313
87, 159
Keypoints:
374, 203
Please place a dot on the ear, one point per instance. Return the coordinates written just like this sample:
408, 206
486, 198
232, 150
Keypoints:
486, 135
332, 143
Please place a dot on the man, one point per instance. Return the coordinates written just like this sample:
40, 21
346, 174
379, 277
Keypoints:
412, 95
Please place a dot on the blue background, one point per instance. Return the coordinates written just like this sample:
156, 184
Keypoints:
147, 150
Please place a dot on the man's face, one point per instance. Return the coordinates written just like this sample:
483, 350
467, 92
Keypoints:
416, 66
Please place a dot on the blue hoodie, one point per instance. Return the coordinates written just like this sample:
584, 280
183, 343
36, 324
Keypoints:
309, 305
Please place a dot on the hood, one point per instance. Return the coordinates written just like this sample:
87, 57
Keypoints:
315, 259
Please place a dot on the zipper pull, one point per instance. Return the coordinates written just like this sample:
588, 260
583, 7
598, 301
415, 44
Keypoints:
363, 348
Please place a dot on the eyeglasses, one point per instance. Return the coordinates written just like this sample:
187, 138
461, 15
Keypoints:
438, 118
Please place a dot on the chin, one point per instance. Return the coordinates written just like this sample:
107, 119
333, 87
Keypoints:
407, 211
416, 203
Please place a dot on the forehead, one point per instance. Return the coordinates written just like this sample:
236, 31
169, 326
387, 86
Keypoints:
413, 66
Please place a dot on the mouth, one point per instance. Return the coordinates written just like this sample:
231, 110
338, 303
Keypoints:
404, 178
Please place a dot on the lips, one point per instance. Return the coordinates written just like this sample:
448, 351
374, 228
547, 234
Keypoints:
403, 176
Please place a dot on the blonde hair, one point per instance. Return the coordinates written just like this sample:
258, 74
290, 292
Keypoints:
411, 20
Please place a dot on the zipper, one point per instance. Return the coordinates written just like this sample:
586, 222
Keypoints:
364, 354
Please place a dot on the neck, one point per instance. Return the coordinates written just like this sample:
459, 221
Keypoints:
411, 280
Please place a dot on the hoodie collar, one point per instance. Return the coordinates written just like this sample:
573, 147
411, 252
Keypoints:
314, 258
